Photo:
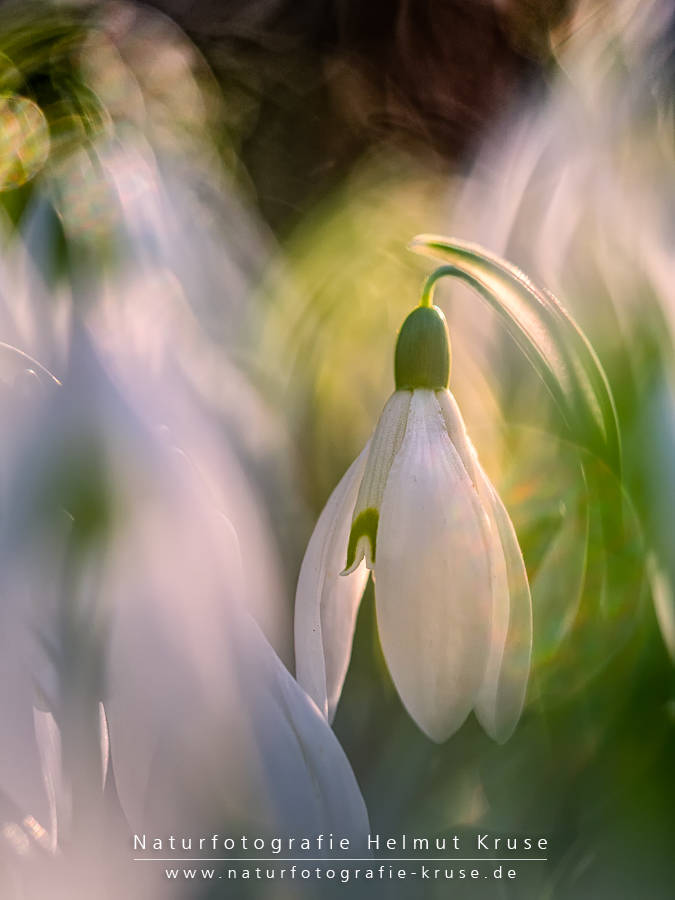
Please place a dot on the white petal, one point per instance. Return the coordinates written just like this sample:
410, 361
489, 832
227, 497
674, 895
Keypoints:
432, 588
197, 699
501, 697
311, 782
456, 429
48, 738
23, 789
326, 602
384, 446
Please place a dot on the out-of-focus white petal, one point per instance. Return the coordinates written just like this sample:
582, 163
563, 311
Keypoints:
26, 784
664, 603
205, 724
433, 588
33, 315
502, 694
311, 782
48, 738
21, 773
105, 745
197, 697
326, 602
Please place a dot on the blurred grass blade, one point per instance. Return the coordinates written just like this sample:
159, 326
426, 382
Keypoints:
549, 338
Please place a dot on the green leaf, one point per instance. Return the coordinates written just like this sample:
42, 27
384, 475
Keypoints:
548, 336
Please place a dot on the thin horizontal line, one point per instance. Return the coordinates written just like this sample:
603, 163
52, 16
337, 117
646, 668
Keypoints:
381, 860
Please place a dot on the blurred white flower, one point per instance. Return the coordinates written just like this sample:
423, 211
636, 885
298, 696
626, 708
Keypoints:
136, 576
30, 790
452, 596
146, 584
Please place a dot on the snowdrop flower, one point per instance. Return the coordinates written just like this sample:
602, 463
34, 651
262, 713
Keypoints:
452, 596
203, 722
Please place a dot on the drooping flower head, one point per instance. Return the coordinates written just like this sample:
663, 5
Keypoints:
452, 595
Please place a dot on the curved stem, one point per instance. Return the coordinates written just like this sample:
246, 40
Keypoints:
430, 284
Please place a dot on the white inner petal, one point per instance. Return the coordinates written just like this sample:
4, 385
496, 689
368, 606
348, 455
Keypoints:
384, 446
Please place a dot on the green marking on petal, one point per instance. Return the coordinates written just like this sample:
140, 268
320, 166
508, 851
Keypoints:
364, 525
